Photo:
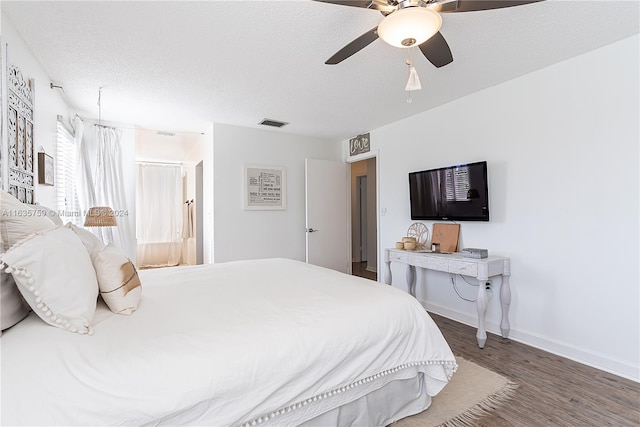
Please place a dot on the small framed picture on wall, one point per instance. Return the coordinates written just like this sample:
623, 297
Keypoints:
45, 169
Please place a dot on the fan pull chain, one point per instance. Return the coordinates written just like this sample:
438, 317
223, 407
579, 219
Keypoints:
414, 81
409, 64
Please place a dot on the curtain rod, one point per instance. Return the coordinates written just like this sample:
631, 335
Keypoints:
142, 162
93, 122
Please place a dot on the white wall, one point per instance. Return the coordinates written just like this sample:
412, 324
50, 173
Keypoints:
48, 104
562, 151
241, 234
208, 189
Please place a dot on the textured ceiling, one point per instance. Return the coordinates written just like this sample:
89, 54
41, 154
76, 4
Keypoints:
180, 65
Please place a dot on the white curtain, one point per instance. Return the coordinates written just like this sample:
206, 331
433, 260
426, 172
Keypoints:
100, 181
85, 188
159, 215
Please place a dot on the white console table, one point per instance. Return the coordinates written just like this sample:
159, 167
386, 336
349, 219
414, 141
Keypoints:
455, 263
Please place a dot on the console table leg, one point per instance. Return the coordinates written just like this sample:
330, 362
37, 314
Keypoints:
411, 280
505, 301
387, 273
481, 305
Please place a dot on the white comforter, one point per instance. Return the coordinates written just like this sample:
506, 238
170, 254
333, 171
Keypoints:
223, 344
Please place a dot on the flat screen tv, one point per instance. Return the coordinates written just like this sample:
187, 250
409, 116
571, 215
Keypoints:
458, 193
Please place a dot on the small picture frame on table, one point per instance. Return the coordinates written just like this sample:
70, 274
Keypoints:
45, 169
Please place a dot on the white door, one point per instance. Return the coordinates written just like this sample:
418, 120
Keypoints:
326, 214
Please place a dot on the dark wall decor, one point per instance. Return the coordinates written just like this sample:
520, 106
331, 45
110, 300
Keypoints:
20, 135
1, 117
45, 169
360, 144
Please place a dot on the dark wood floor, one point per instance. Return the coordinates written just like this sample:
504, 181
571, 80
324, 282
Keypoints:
359, 269
553, 391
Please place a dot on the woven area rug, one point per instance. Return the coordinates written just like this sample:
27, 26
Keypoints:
472, 392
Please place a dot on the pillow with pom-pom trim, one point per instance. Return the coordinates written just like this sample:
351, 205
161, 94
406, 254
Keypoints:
55, 275
17, 221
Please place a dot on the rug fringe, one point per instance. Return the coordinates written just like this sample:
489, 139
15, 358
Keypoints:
469, 417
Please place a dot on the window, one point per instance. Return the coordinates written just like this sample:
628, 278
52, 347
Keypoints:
66, 194
457, 183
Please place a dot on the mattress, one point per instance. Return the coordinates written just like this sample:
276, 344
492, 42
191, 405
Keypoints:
269, 342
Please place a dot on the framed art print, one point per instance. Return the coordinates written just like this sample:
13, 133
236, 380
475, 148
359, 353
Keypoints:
265, 187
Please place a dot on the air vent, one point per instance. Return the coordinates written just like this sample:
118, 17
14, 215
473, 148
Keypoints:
165, 133
274, 123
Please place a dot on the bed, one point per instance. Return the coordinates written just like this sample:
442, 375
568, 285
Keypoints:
260, 342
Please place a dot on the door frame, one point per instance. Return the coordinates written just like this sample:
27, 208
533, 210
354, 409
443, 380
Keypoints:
366, 156
361, 200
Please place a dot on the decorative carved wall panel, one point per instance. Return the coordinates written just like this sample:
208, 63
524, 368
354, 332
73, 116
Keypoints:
20, 136
2, 155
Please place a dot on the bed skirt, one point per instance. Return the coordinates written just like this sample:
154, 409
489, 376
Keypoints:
396, 400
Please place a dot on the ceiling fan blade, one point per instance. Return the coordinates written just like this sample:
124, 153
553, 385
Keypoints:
380, 5
475, 5
353, 47
437, 51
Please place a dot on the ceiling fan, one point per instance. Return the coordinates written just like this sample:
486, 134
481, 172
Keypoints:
409, 23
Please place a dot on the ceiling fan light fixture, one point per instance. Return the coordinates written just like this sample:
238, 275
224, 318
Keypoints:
410, 26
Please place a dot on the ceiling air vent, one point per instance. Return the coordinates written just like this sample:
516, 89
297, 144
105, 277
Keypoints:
274, 123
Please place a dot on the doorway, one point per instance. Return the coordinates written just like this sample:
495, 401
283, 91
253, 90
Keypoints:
364, 220
184, 153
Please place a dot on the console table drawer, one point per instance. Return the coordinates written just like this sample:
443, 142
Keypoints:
432, 263
399, 257
464, 268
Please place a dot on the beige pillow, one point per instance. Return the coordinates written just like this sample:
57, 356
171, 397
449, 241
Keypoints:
49, 213
19, 220
118, 280
54, 273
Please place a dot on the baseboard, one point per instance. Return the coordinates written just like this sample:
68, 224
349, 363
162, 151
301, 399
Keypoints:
371, 269
576, 354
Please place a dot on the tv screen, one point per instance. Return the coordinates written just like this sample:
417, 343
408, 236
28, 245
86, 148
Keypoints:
458, 193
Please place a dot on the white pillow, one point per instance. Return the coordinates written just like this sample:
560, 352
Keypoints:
54, 273
90, 241
19, 220
118, 280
